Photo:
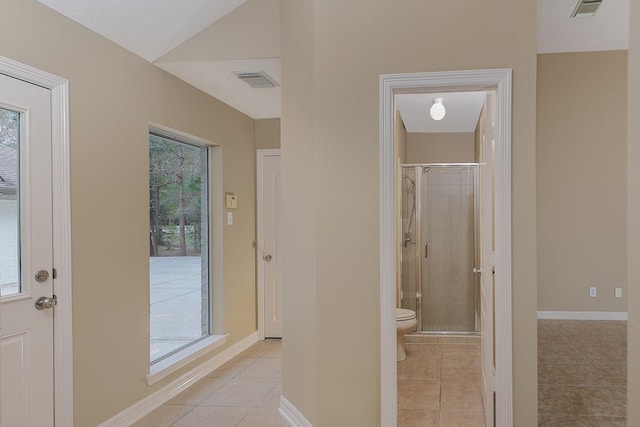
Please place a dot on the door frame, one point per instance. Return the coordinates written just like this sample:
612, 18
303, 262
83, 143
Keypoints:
261, 154
498, 80
60, 182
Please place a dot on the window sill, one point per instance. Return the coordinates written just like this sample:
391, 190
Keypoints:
171, 364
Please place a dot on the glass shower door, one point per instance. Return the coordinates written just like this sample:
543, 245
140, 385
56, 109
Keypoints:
448, 233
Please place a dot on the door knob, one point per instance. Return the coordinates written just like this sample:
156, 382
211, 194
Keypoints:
44, 303
267, 258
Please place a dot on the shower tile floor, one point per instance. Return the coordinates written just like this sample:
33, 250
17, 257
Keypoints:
582, 373
439, 383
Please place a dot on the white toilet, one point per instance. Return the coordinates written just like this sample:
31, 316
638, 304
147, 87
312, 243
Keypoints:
405, 322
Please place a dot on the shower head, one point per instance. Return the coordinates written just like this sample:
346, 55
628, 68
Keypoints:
426, 169
410, 180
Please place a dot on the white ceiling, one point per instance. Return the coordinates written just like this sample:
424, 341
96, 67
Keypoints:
463, 110
608, 29
202, 41
148, 28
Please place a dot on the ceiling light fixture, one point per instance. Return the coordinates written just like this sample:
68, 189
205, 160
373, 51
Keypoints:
437, 110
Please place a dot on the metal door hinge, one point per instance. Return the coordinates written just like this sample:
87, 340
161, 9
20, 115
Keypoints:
54, 273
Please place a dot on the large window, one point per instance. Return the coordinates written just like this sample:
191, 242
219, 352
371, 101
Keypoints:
178, 244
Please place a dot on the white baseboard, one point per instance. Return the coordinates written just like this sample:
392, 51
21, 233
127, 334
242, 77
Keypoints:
583, 315
156, 399
291, 414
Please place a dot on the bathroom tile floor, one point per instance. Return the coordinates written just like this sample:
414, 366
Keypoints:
439, 383
582, 373
244, 392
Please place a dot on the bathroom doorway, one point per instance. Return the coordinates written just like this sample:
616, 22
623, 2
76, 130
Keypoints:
494, 173
439, 248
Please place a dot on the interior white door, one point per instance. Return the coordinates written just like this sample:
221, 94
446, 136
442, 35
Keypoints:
26, 333
487, 244
270, 246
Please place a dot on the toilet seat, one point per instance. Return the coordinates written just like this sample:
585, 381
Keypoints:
404, 314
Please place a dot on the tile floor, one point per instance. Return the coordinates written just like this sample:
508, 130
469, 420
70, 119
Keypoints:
439, 383
244, 392
582, 373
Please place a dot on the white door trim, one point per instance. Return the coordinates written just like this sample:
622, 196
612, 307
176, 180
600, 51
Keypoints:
390, 84
261, 154
63, 331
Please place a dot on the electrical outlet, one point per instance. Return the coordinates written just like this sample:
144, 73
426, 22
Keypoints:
593, 292
618, 292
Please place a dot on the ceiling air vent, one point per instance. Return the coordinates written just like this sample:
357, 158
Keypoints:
256, 79
586, 8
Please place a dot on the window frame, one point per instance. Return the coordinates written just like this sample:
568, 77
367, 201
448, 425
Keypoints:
170, 363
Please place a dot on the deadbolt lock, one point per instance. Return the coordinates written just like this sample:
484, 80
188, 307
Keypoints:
42, 276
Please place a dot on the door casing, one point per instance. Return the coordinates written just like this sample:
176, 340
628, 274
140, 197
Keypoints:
498, 80
60, 181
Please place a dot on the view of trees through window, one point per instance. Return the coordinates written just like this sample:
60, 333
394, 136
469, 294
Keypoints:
178, 242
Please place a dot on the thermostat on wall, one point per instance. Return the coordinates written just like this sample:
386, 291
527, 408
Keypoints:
231, 201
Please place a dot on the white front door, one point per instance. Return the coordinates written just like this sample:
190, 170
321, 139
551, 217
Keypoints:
26, 256
269, 258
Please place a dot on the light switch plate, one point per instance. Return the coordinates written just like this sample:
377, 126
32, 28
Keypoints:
618, 292
230, 201
229, 218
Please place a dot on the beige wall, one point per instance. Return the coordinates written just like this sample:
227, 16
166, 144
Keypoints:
267, 133
440, 148
299, 171
345, 46
581, 180
114, 96
633, 222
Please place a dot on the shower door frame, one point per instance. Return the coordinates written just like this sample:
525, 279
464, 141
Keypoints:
499, 81
418, 205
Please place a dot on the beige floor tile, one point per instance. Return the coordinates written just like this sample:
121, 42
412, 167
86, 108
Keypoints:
213, 416
550, 420
198, 391
266, 367
419, 394
461, 369
241, 391
595, 401
602, 421
604, 354
232, 367
560, 355
544, 375
461, 419
424, 350
418, 418
462, 349
414, 367
551, 400
272, 399
614, 374
576, 375
263, 417
460, 396
164, 416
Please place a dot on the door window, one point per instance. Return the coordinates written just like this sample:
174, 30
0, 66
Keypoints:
9, 214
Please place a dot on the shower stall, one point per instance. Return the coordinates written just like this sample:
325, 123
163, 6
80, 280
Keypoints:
439, 257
